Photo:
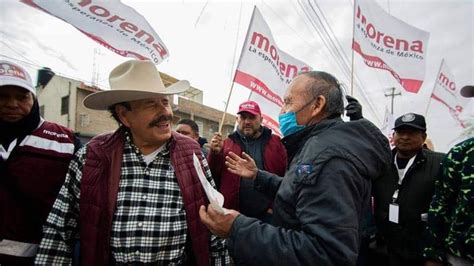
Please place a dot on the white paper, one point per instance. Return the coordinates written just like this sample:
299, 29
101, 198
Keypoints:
215, 198
393, 213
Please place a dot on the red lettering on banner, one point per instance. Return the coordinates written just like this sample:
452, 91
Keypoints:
262, 42
446, 82
125, 25
104, 12
150, 38
387, 40
128, 27
114, 18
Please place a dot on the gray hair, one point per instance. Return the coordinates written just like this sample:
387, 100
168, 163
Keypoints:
325, 84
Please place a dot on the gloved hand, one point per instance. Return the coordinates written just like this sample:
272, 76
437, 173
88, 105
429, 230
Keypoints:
353, 109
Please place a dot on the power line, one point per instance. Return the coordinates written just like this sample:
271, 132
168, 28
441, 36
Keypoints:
318, 31
37, 66
200, 14
235, 46
288, 25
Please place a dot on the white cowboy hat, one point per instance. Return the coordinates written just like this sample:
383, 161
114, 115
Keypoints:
130, 81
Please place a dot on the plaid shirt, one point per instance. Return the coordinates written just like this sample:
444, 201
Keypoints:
149, 224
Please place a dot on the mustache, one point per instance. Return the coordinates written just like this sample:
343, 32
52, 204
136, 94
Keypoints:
160, 119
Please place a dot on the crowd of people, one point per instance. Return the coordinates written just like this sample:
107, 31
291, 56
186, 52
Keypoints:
329, 192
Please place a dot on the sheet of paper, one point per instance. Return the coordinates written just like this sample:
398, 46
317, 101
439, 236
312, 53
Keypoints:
393, 213
215, 198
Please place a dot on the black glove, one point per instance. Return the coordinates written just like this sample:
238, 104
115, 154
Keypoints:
353, 109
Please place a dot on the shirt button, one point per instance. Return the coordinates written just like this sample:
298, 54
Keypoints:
137, 252
140, 224
144, 197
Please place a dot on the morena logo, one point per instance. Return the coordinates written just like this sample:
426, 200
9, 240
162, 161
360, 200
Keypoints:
124, 25
387, 40
12, 70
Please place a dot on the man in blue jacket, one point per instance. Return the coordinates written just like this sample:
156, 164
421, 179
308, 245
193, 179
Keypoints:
320, 202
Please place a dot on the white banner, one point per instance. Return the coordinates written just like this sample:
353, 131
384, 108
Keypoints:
385, 42
266, 70
112, 24
447, 93
387, 127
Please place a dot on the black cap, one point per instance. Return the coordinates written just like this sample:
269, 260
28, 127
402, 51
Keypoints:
467, 91
411, 120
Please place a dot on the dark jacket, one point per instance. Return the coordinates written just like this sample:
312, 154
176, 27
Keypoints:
274, 161
414, 197
319, 202
100, 185
34, 174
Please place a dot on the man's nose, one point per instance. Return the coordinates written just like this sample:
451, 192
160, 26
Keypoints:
404, 135
12, 102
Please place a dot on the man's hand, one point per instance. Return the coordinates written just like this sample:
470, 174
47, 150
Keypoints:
216, 143
218, 224
244, 167
353, 109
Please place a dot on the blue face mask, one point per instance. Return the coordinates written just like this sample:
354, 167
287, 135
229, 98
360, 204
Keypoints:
288, 124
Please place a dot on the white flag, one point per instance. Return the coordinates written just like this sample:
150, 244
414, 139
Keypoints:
387, 127
447, 93
266, 70
112, 24
385, 42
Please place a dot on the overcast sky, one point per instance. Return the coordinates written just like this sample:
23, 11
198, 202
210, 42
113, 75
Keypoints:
205, 39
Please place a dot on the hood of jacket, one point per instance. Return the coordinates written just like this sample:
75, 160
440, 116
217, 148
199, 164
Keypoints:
360, 142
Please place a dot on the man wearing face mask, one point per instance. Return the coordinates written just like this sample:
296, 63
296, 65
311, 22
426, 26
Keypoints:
266, 149
320, 202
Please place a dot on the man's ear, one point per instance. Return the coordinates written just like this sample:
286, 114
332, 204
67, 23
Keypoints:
319, 105
122, 114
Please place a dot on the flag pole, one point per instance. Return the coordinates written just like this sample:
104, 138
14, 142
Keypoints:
436, 80
352, 54
221, 124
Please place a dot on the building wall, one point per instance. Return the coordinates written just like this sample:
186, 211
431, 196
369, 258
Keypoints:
92, 122
50, 98
209, 117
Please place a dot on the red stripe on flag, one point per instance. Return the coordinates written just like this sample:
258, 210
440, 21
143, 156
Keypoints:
410, 85
110, 47
454, 113
257, 86
271, 124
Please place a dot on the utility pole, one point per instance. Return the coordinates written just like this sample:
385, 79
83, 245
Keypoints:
392, 94
95, 67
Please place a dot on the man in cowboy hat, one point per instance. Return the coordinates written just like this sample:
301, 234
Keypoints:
34, 156
449, 238
133, 196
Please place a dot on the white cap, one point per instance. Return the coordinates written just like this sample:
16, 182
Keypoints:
13, 74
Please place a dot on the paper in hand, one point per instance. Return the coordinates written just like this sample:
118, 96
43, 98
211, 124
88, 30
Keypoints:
215, 198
